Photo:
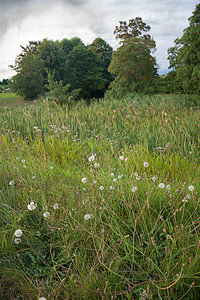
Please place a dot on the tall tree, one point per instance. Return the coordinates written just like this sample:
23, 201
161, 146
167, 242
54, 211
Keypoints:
134, 67
29, 80
104, 52
132, 64
184, 57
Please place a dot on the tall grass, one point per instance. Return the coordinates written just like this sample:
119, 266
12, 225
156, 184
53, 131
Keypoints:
102, 225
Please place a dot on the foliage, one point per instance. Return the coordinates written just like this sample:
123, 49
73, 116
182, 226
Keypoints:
133, 66
60, 94
104, 52
29, 81
70, 61
86, 71
184, 57
133, 245
133, 29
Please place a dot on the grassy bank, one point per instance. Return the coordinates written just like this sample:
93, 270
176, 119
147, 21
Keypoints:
100, 201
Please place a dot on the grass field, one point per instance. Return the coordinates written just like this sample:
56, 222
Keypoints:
10, 99
101, 201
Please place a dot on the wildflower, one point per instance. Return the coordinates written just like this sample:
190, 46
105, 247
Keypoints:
136, 174
191, 188
134, 189
42, 298
188, 196
11, 182
121, 157
96, 165
115, 180
95, 181
33, 177
168, 187
31, 206
87, 217
138, 178
101, 188
17, 241
46, 214
154, 178
18, 233
126, 159
84, 180
145, 164
112, 187
161, 185
55, 206
91, 158
120, 176
23, 161
51, 167
112, 174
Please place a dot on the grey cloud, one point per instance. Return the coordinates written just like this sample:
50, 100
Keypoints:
13, 12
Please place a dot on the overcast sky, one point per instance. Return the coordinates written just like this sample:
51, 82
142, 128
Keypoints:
22, 21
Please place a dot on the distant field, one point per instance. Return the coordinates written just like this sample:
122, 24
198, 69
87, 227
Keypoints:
8, 99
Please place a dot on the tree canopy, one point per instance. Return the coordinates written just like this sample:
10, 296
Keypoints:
132, 64
70, 61
184, 57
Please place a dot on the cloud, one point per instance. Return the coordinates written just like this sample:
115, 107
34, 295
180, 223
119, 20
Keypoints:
25, 20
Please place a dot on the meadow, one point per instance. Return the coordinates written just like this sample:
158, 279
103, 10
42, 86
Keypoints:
100, 201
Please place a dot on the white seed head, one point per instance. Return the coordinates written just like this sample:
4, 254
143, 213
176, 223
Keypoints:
161, 185
134, 189
84, 180
18, 233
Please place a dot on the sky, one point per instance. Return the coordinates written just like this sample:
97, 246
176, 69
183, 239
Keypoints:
22, 21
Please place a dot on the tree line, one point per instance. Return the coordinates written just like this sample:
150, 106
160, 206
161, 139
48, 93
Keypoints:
68, 68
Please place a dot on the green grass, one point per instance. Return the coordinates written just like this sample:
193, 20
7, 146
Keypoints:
10, 99
135, 245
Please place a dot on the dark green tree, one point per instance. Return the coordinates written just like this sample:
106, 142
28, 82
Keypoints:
29, 80
86, 72
184, 57
104, 52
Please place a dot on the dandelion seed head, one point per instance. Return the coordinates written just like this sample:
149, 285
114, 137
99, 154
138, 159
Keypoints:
87, 217
84, 180
121, 157
55, 206
18, 233
11, 182
120, 176
91, 158
31, 206
112, 187
17, 241
46, 214
134, 189
145, 164
96, 165
168, 187
161, 185
112, 174
191, 188
23, 161
115, 180
101, 188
